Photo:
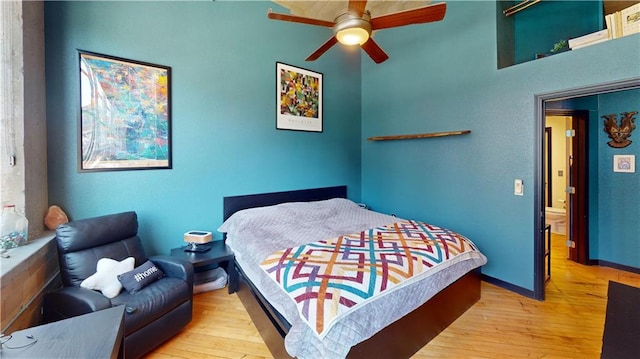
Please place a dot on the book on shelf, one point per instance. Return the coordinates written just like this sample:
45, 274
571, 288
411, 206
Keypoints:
630, 20
624, 22
589, 39
589, 43
618, 24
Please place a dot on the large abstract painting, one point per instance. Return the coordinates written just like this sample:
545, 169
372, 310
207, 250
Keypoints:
125, 116
298, 99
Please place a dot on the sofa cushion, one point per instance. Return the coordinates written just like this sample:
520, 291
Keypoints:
152, 302
106, 277
140, 277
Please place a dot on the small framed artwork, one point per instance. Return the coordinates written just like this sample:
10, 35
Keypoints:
298, 99
624, 163
125, 114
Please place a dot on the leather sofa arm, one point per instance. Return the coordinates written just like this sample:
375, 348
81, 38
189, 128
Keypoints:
174, 267
72, 301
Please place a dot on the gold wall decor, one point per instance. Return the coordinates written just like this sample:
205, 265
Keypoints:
619, 134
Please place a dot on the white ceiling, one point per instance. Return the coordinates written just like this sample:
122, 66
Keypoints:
328, 10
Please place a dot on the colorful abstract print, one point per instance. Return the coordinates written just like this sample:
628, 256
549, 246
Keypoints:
299, 94
329, 277
125, 111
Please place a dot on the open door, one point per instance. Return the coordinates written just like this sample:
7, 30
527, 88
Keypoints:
576, 185
578, 188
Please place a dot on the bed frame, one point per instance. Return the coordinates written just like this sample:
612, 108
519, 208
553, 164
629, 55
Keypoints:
400, 339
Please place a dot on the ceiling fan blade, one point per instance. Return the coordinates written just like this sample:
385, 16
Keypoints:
357, 7
420, 15
322, 49
299, 19
375, 52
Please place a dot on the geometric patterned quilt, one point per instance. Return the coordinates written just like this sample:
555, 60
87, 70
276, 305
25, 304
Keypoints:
328, 278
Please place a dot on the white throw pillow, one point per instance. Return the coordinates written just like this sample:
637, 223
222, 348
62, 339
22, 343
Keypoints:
106, 277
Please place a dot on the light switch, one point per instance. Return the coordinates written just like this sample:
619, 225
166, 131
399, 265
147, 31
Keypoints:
518, 187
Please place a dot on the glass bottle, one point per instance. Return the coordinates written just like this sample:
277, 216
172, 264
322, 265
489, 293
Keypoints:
13, 228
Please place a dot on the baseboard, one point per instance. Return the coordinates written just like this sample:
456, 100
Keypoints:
623, 267
529, 293
508, 286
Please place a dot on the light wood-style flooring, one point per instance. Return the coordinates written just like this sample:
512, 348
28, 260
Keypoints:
568, 324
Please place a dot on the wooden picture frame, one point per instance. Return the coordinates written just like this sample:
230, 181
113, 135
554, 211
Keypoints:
125, 114
298, 99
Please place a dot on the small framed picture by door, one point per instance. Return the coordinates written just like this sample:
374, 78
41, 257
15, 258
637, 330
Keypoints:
624, 163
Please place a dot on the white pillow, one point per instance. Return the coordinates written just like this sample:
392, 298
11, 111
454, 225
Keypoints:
106, 277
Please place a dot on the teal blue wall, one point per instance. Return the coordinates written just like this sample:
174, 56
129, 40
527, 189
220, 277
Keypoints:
223, 57
443, 76
619, 193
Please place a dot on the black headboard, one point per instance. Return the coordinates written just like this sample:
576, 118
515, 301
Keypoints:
236, 203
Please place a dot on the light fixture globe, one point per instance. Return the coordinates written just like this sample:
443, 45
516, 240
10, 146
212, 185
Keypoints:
352, 30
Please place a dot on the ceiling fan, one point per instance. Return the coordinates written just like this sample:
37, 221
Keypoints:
354, 26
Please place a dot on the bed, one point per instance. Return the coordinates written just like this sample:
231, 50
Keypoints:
397, 325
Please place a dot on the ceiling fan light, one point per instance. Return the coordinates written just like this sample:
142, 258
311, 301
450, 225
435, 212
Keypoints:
352, 36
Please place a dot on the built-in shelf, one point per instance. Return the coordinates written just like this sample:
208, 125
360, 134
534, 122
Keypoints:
419, 135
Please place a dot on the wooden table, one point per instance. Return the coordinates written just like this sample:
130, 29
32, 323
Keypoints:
94, 335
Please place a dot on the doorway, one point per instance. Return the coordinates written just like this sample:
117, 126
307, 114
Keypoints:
541, 105
566, 196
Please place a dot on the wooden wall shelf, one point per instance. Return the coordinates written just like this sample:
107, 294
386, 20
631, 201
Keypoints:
419, 135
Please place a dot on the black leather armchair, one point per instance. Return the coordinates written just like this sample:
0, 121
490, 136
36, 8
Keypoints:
154, 314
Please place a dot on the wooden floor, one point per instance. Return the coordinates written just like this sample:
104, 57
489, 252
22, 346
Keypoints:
568, 324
